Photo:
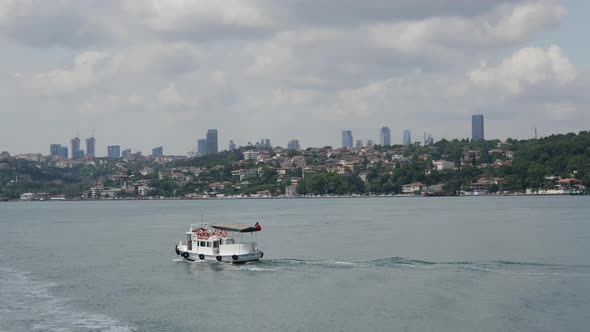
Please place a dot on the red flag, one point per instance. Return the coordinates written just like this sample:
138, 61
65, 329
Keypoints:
258, 227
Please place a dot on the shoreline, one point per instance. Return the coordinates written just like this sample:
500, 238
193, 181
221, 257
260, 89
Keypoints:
290, 197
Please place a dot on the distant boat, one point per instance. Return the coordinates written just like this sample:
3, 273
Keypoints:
221, 243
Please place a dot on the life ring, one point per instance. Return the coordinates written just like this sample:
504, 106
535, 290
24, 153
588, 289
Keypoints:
176, 249
219, 258
185, 254
261, 254
234, 257
201, 256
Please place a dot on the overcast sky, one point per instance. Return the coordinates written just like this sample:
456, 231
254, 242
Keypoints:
146, 73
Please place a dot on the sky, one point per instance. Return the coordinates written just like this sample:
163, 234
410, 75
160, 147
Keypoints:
148, 73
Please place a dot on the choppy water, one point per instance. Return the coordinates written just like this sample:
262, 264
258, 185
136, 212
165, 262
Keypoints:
383, 264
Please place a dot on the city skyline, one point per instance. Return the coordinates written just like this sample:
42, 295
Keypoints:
288, 69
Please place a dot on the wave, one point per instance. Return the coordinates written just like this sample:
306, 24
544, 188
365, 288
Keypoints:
28, 305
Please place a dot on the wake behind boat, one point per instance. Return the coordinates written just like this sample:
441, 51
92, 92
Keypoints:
220, 242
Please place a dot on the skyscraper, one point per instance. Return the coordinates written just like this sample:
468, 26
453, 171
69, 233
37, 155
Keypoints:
76, 148
232, 145
114, 152
293, 145
90, 142
158, 152
126, 153
212, 141
63, 152
385, 136
359, 144
407, 137
54, 149
477, 127
347, 139
201, 147
265, 143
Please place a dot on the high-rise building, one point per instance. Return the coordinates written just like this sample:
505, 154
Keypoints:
126, 154
76, 148
407, 137
90, 143
232, 145
369, 143
265, 143
385, 136
359, 144
293, 145
347, 139
201, 147
212, 147
158, 152
477, 127
54, 149
63, 152
114, 151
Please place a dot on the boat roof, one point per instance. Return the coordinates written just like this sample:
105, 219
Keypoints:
235, 228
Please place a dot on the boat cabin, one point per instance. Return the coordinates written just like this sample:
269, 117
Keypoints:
221, 239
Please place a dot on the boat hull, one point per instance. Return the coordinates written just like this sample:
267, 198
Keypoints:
235, 258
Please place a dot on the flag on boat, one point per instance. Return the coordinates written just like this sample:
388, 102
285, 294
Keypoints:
258, 227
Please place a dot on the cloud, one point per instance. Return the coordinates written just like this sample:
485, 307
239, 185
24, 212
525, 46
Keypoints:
283, 69
525, 69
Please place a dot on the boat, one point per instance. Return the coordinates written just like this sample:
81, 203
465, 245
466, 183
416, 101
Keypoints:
221, 243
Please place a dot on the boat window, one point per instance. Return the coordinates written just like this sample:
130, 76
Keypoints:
202, 243
229, 241
215, 244
208, 244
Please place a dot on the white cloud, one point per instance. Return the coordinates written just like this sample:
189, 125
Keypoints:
526, 68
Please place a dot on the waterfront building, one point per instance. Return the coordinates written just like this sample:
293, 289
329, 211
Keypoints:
90, 144
54, 149
232, 145
477, 132
347, 139
114, 151
407, 139
75, 143
201, 147
212, 147
385, 136
158, 152
293, 145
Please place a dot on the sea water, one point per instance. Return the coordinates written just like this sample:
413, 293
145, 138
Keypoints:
333, 264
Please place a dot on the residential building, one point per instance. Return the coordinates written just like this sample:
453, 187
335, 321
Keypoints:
413, 188
385, 136
293, 145
90, 146
212, 147
347, 139
201, 147
114, 151
407, 139
251, 155
443, 165
477, 127
158, 152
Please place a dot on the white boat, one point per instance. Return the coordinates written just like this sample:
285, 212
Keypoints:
220, 242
